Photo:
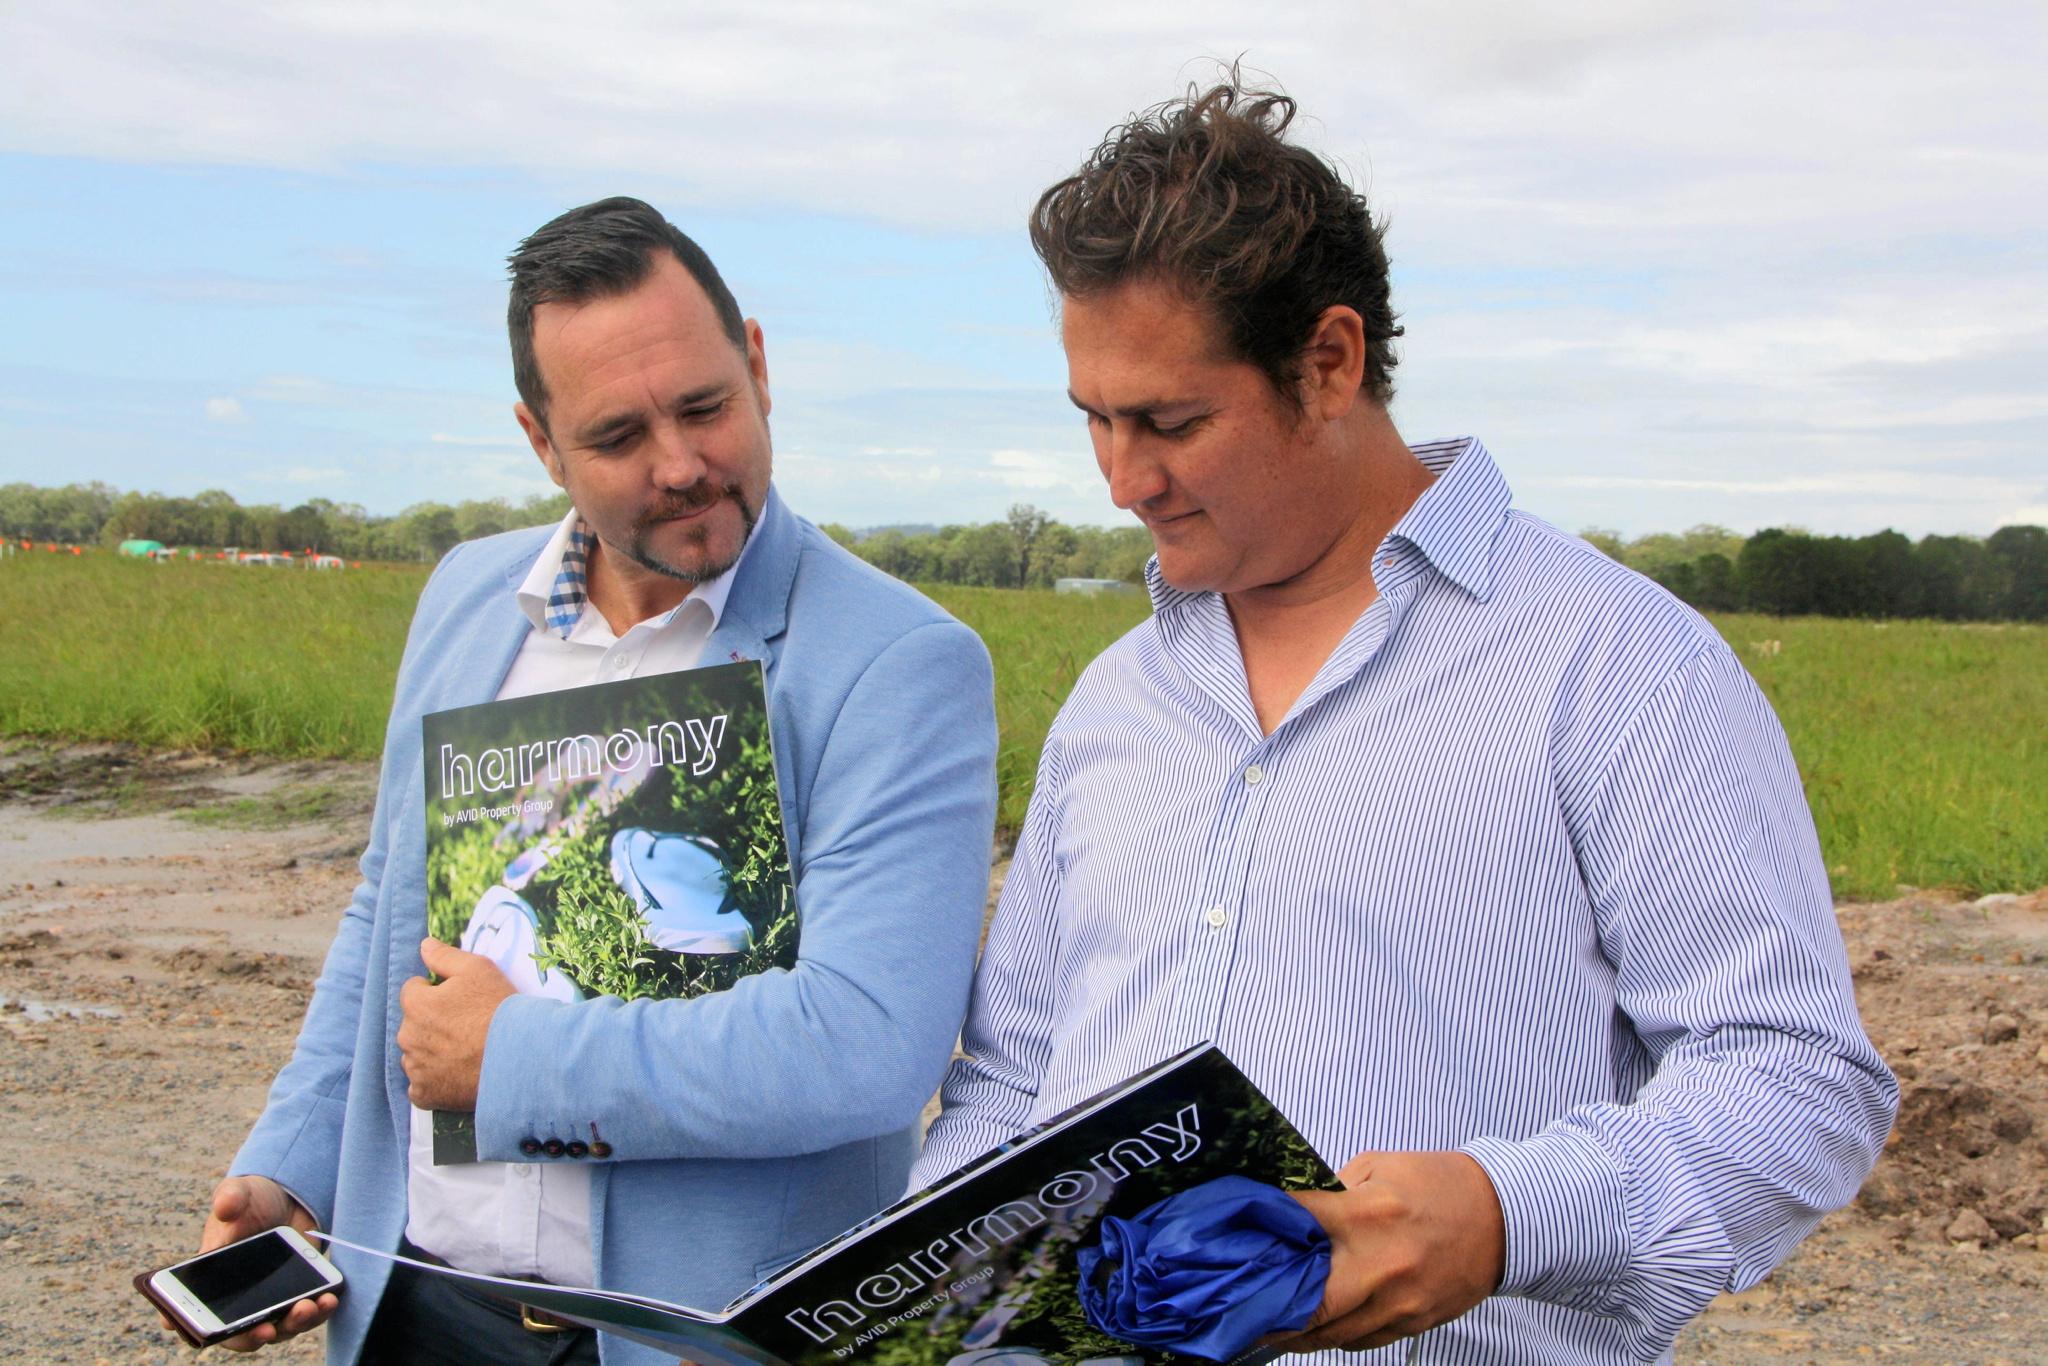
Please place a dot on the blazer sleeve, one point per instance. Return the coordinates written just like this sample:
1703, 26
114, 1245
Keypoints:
849, 1043
296, 1141
991, 1090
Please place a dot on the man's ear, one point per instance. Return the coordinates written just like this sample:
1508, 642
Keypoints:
757, 364
1333, 363
543, 445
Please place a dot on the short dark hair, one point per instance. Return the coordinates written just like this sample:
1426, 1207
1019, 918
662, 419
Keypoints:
593, 252
1206, 195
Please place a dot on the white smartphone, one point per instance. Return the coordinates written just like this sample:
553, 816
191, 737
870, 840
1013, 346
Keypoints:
230, 1289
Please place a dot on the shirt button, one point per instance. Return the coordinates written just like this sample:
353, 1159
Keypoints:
1253, 775
620, 663
1217, 918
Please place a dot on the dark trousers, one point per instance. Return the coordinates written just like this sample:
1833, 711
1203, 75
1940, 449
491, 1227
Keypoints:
430, 1320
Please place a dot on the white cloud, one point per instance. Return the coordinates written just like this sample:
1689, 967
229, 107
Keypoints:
922, 111
1743, 253
501, 477
512, 442
224, 410
1067, 471
1893, 484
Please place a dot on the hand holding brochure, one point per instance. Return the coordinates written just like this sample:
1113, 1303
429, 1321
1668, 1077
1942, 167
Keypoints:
985, 1268
622, 839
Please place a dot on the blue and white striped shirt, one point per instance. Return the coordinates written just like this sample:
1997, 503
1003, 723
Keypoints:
1526, 872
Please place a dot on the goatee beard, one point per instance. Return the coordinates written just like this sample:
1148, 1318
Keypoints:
693, 499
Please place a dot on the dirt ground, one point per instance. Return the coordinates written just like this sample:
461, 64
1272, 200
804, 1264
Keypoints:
162, 918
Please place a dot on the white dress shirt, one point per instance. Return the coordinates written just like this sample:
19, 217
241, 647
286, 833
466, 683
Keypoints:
533, 1218
1525, 871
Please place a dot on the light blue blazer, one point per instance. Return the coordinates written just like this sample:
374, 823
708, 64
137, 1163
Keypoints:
748, 1126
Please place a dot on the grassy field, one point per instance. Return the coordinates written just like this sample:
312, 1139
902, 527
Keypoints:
1040, 642
1921, 744
202, 655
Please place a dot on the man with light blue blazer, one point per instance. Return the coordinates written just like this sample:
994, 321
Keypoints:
680, 1149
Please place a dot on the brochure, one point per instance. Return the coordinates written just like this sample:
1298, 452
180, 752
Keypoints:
621, 839
982, 1268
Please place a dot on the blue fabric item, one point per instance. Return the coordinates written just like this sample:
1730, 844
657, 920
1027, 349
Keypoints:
1209, 1271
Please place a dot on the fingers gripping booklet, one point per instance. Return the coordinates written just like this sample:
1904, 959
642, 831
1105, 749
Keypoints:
984, 1268
620, 839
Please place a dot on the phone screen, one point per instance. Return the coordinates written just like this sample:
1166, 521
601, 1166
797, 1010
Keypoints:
249, 1277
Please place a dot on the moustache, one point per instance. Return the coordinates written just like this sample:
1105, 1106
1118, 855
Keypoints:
693, 499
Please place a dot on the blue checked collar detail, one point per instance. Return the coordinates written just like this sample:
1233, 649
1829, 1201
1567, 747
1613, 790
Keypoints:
568, 593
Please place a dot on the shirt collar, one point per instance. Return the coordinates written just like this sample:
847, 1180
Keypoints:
1456, 521
1453, 524
556, 590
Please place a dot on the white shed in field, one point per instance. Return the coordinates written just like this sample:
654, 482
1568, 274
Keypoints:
1092, 586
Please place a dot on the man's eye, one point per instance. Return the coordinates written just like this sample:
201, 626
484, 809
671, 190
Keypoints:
1178, 430
611, 445
705, 412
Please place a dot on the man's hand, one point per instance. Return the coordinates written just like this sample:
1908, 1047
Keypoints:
242, 1207
441, 1041
1417, 1239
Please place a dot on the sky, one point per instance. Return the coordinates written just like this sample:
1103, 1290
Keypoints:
1749, 264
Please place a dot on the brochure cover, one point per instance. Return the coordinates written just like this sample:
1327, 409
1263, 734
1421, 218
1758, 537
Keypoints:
983, 1268
621, 839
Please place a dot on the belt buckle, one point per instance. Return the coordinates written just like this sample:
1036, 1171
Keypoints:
540, 1321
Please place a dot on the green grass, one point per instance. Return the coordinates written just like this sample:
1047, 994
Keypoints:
1923, 746
1920, 743
305, 804
1040, 642
202, 655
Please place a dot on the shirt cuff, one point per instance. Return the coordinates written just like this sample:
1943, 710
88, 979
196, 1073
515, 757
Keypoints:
294, 1197
1565, 1209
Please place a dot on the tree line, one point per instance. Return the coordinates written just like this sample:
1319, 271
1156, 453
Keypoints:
1781, 571
1027, 549
1789, 572
98, 514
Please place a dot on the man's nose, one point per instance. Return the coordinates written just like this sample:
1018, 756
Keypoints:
677, 461
1134, 476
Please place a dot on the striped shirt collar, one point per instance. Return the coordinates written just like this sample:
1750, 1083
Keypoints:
1453, 526
557, 588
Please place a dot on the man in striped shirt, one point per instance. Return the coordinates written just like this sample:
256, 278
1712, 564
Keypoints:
1479, 853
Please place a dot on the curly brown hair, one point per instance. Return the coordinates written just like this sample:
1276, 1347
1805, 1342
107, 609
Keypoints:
1206, 194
